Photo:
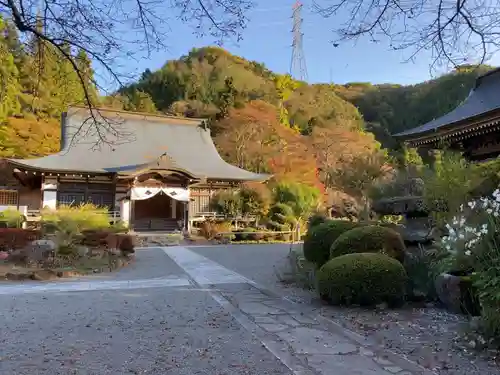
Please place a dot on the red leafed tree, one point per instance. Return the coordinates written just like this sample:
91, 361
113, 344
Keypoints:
335, 146
253, 138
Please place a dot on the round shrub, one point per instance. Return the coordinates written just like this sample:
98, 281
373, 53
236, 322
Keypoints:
367, 239
320, 238
239, 235
362, 278
315, 220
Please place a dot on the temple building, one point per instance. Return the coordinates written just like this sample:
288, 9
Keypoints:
472, 128
153, 172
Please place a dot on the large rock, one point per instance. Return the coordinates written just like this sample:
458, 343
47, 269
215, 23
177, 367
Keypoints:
401, 205
448, 291
457, 294
41, 249
417, 230
19, 256
82, 251
44, 275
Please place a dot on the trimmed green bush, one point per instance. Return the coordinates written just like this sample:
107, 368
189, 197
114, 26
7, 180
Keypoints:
367, 239
320, 238
280, 218
255, 234
239, 235
315, 220
364, 279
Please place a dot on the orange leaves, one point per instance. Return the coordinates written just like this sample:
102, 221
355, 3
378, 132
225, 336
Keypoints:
331, 143
253, 138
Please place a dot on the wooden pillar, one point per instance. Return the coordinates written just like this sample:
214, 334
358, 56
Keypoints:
173, 207
132, 214
187, 223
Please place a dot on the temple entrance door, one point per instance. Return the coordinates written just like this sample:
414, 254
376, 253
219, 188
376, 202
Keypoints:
158, 213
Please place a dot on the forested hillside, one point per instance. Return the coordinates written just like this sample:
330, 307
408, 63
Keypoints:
389, 109
260, 121
38, 84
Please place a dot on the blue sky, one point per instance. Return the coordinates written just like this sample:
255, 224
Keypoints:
268, 37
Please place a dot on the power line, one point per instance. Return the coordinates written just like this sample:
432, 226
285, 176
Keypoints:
258, 10
298, 68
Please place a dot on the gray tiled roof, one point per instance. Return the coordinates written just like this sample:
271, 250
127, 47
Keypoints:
140, 140
485, 97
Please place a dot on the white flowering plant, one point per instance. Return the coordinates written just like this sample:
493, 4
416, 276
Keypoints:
473, 227
473, 242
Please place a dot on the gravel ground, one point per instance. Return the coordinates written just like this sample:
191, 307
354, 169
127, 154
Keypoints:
147, 331
429, 336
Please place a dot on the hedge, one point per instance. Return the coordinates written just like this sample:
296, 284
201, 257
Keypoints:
370, 238
363, 279
17, 238
320, 238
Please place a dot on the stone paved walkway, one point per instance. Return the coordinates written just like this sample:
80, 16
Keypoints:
306, 344
194, 317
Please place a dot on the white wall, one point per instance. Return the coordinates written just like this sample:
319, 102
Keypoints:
125, 211
49, 193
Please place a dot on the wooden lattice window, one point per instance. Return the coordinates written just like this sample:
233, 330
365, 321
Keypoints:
9, 197
200, 202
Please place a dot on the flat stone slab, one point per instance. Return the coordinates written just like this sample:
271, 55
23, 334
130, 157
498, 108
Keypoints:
393, 369
344, 365
274, 327
303, 319
304, 340
255, 308
383, 361
264, 320
285, 319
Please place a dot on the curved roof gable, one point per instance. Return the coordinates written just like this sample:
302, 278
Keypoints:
483, 98
133, 140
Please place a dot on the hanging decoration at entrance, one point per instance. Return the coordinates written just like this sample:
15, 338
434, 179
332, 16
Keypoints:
142, 193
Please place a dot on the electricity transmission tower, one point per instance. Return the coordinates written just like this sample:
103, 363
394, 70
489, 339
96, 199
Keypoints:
298, 68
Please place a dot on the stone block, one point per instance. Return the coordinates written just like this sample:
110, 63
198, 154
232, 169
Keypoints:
40, 249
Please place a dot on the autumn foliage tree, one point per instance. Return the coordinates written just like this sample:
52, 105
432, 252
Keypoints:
357, 174
253, 138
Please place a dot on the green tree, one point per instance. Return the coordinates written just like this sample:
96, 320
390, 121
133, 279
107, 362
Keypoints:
411, 159
40, 95
86, 73
302, 199
140, 101
285, 85
227, 98
227, 203
448, 184
254, 201
62, 80
357, 175
9, 78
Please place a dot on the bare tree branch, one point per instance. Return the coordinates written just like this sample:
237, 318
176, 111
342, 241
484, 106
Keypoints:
456, 32
109, 31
